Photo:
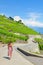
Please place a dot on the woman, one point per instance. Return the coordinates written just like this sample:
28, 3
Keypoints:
10, 49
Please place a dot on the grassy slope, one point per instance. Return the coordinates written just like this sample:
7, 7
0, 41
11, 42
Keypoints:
40, 43
9, 27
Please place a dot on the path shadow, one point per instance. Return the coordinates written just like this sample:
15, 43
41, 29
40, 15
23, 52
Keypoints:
28, 54
6, 57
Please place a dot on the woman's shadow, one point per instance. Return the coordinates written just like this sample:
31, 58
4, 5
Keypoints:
6, 57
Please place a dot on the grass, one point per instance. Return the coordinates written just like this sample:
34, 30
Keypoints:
40, 43
8, 27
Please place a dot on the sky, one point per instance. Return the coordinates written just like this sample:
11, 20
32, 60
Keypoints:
29, 11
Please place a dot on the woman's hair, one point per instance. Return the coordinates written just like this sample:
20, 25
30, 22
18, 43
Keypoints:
9, 42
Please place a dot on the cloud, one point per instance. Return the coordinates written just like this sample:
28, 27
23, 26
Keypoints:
17, 18
2, 14
32, 20
34, 15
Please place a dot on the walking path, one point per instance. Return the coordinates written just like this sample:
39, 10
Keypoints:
34, 59
32, 46
16, 59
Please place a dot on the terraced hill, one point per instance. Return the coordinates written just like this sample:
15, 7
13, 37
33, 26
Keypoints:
8, 28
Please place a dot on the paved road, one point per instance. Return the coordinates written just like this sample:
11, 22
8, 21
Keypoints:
33, 59
16, 59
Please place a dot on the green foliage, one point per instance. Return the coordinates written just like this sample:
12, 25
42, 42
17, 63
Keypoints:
11, 18
40, 42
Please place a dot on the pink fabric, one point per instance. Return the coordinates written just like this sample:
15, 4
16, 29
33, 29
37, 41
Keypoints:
10, 51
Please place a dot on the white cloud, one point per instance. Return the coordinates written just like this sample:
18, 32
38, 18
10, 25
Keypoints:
17, 18
34, 23
31, 21
34, 15
2, 14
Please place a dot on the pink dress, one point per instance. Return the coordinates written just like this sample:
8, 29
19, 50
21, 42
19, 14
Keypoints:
9, 50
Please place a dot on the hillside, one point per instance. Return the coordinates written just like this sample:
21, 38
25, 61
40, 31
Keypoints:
8, 28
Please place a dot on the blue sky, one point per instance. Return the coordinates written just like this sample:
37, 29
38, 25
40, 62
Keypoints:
29, 11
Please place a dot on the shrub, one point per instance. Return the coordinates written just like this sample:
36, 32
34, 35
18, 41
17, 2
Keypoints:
40, 43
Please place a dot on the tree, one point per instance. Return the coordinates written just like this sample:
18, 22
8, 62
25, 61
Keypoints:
20, 21
11, 18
